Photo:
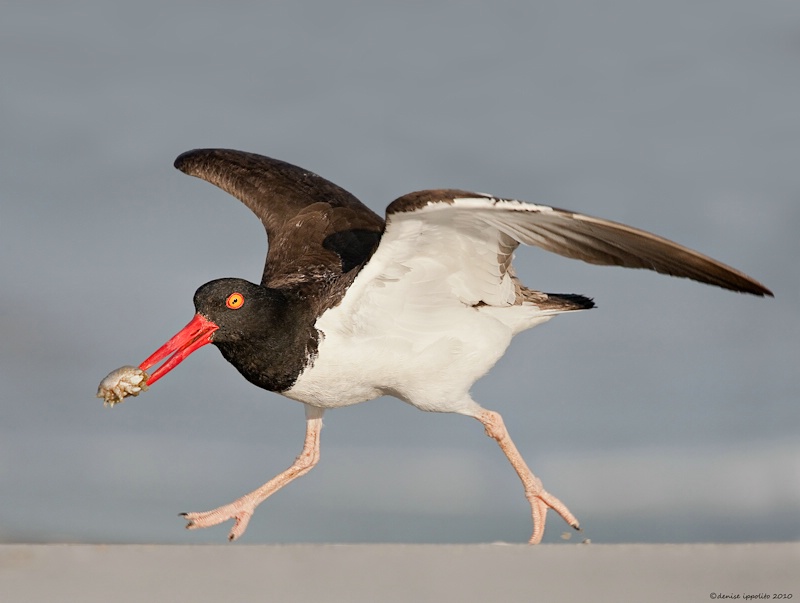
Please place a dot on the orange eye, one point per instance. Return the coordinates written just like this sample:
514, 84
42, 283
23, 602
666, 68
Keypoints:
234, 301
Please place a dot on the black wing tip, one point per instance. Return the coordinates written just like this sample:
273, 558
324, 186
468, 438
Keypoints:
759, 290
762, 292
747, 286
189, 161
186, 160
569, 301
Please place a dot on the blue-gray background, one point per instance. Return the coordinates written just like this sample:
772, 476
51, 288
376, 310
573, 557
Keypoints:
670, 413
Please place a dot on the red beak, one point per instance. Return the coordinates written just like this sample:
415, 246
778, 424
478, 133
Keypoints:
193, 336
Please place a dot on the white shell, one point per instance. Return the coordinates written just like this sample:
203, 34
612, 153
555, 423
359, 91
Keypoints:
122, 382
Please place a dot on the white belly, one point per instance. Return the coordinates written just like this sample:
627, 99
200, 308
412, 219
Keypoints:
429, 360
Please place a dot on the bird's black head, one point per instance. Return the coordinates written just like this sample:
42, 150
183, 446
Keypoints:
264, 333
241, 310
267, 334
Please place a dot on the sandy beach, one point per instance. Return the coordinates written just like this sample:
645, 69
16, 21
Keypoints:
388, 573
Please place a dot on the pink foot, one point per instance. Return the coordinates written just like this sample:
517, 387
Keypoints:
539, 498
540, 502
242, 509
237, 511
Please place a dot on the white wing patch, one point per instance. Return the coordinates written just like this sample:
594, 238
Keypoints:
445, 251
440, 256
407, 325
436, 305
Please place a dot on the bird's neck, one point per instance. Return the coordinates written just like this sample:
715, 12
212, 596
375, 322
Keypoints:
273, 355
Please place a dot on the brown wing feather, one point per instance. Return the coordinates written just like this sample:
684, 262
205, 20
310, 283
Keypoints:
316, 230
582, 237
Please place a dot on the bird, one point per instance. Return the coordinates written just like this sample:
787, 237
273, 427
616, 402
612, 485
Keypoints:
418, 306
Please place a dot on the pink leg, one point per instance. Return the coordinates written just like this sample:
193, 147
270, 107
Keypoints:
537, 496
243, 508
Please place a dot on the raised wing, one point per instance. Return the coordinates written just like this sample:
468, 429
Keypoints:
444, 249
448, 248
566, 233
316, 230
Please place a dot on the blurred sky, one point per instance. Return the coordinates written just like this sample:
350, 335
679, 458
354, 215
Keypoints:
668, 414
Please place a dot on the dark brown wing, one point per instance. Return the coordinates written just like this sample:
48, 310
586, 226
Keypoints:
316, 230
566, 233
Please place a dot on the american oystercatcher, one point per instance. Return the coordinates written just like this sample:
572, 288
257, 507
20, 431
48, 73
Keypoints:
418, 307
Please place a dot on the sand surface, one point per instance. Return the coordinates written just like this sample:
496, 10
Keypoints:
387, 573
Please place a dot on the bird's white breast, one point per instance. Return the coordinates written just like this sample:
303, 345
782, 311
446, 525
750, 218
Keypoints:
429, 359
